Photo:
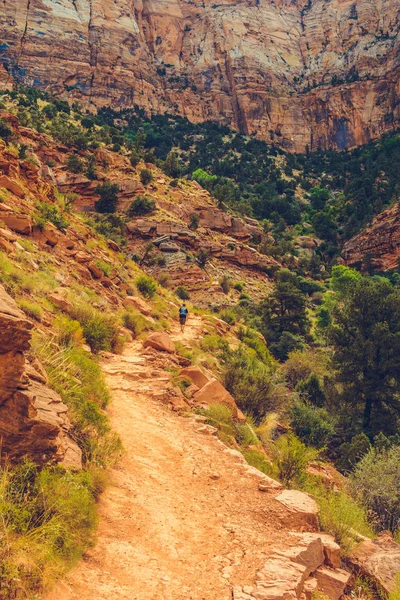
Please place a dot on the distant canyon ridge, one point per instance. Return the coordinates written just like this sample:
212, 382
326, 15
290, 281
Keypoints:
297, 73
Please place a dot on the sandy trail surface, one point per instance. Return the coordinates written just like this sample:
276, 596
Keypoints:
183, 518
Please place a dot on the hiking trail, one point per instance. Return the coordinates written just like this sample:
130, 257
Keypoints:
182, 519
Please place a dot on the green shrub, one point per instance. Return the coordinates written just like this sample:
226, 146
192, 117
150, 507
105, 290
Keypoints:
250, 382
68, 331
52, 213
194, 221
182, 293
75, 164
100, 329
375, 482
395, 593
108, 197
226, 284
146, 176
239, 286
291, 458
6, 132
48, 521
313, 426
146, 286
256, 458
135, 322
228, 315
340, 515
141, 206
32, 309
350, 453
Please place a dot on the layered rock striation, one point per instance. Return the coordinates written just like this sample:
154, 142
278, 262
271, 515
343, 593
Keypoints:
33, 418
378, 245
298, 73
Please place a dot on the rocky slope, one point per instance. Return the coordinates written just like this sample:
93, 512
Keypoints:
297, 73
378, 245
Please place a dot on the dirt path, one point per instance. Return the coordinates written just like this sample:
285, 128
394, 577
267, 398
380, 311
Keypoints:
183, 518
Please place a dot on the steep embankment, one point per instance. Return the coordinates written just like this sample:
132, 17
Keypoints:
299, 73
184, 518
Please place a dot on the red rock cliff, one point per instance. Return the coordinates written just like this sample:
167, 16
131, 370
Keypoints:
317, 73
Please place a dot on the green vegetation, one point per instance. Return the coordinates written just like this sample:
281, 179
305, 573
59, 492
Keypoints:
146, 286
48, 520
141, 206
108, 197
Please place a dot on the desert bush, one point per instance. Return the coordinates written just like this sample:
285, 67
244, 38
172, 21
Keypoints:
291, 458
226, 284
194, 221
100, 329
135, 322
256, 458
146, 176
50, 212
48, 521
108, 197
312, 425
182, 293
32, 309
250, 382
75, 164
301, 364
350, 453
340, 515
228, 315
146, 286
68, 331
375, 482
141, 206
311, 389
6, 132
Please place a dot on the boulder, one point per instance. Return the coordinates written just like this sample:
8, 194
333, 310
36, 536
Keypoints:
138, 304
331, 582
280, 579
17, 222
378, 559
215, 393
196, 375
12, 186
95, 271
300, 504
34, 423
33, 418
308, 552
159, 341
330, 547
48, 234
59, 298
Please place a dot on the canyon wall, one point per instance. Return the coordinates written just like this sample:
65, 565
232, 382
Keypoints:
298, 73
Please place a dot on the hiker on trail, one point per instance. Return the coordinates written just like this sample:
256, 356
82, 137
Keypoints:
183, 313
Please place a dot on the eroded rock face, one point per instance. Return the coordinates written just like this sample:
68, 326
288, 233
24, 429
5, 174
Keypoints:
379, 560
379, 243
33, 418
296, 72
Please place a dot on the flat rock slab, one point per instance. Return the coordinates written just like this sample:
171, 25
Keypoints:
301, 504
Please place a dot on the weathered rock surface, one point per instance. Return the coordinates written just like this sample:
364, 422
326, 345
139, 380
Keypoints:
138, 304
33, 418
379, 243
213, 392
321, 73
378, 559
198, 377
300, 504
159, 341
332, 582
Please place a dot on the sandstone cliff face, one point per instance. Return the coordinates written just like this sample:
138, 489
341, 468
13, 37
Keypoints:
33, 419
317, 73
379, 243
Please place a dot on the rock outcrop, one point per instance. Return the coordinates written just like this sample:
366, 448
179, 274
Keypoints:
33, 418
377, 245
320, 73
379, 560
